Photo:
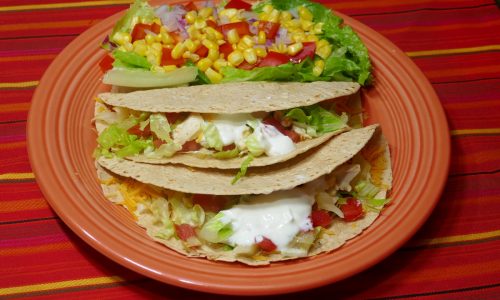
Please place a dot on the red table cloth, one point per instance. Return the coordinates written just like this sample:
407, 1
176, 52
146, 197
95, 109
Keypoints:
455, 255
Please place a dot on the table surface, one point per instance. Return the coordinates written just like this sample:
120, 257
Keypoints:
456, 254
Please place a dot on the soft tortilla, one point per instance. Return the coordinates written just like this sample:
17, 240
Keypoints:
339, 232
260, 180
231, 98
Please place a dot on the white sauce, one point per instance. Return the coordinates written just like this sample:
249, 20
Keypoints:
231, 127
278, 216
275, 143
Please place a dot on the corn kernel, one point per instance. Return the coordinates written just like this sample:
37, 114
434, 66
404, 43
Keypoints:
156, 47
200, 23
318, 28
140, 48
324, 51
214, 76
228, 13
261, 38
311, 38
268, 8
294, 48
128, 46
122, 37
209, 44
191, 17
260, 51
305, 13
190, 45
298, 37
204, 63
322, 43
158, 37
169, 68
220, 42
319, 65
166, 38
219, 63
232, 36
235, 58
158, 69
153, 59
178, 50
186, 54
149, 38
274, 16
194, 57
285, 16
248, 41
263, 16
250, 55
213, 32
292, 24
193, 33
205, 12
213, 54
306, 25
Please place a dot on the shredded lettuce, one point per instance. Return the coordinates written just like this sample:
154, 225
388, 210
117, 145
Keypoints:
243, 169
165, 150
211, 137
185, 213
161, 213
117, 137
128, 59
317, 119
227, 154
139, 12
215, 230
159, 125
366, 190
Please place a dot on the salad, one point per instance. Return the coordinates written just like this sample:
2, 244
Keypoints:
204, 43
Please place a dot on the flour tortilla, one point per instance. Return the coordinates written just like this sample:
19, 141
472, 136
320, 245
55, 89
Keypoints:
376, 152
231, 98
259, 180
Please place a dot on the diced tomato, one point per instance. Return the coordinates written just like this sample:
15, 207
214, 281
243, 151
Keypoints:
226, 49
238, 4
166, 58
267, 245
157, 143
321, 218
273, 59
202, 51
307, 51
190, 6
241, 27
246, 66
211, 23
190, 146
184, 231
106, 63
139, 31
352, 210
146, 132
270, 28
228, 147
172, 117
295, 137
211, 203
155, 28
176, 35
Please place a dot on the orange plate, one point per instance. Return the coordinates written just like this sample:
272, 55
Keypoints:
61, 140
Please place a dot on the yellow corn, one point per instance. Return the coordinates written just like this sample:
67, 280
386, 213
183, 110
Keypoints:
206, 12
200, 23
318, 28
219, 63
319, 65
191, 45
213, 54
260, 51
169, 68
156, 47
248, 41
250, 55
204, 63
232, 36
292, 24
209, 44
305, 13
128, 46
194, 57
298, 37
212, 32
306, 25
122, 37
274, 16
166, 38
150, 39
158, 69
322, 43
263, 16
153, 58
261, 38
268, 8
186, 54
191, 17
158, 37
178, 50
285, 16
295, 48
228, 13
235, 58
194, 33
140, 47
324, 51
214, 76
311, 38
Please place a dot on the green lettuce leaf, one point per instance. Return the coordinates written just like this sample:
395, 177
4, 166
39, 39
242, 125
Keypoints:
117, 137
158, 123
130, 60
243, 169
216, 231
184, 213
212, 137
317, 118
227, 154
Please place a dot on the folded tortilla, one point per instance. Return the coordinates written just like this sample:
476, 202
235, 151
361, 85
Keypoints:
375, 152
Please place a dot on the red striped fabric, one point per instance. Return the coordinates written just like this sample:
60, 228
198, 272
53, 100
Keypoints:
454, 255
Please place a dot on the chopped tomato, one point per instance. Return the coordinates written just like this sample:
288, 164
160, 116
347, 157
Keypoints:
273, 59
190, 6
321, 218
307, 51
176, 35
172, 117
106, 63
295, 137
267, 245
157, 143
140, 30
155, 28
270, 28
211, 203
190, 146
352, 210
229, 147
246, 66
226, 49
202, 51
241, 27
184, 231
212, 24
166, 58
146, 132
238, 4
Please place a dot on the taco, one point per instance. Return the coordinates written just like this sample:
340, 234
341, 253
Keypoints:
318, 215
222, 126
